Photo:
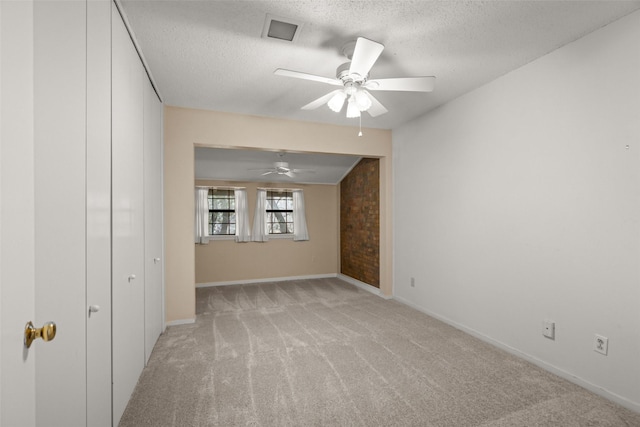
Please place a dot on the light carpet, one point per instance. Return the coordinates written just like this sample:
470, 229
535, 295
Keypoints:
323, 352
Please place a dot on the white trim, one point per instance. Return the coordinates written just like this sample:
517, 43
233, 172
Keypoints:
344, 175
350, 280
1, 330
634, 406
180, 322
214, 187
283, 236
362, 285
221, 237
279, 190
162, 224
136, 45
266, 280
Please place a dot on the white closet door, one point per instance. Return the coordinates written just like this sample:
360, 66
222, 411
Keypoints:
17, 214
98, 213
127, 217
60, 210
55, 85
153, 218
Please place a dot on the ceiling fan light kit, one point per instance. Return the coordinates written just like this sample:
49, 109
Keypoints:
352, 109
353, 76
362, 100
337, 101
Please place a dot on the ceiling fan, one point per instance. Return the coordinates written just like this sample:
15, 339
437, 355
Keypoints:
353, 76
282, 168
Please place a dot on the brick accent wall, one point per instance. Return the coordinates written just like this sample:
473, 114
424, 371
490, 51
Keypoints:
360, 223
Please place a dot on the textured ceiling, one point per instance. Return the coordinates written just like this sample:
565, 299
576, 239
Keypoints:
238, 165
210, 54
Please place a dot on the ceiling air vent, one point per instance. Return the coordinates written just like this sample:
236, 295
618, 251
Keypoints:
276, 27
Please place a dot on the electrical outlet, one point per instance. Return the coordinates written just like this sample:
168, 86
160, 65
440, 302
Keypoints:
413, 282
549, 329
601, 344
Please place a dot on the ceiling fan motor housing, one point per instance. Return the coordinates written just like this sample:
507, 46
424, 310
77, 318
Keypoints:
342, 73
281, 167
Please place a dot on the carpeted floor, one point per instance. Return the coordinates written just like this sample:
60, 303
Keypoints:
323, 352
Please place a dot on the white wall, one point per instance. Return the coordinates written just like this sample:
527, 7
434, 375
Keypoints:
520, 202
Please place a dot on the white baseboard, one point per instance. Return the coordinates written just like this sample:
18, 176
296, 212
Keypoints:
634, 406
266, 280
362, 285
347, 279
180, 322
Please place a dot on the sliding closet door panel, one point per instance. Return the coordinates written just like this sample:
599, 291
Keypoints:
17, 213
154, 260
60, 219
127, 217
98, 213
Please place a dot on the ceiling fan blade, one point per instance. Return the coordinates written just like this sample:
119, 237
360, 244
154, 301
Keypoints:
365, 54
303, 171
267, 173
376, 109
305, 76
409, 84
289, 174
321, 101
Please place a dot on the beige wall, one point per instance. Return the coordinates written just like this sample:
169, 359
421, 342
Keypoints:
228, 261
185, 128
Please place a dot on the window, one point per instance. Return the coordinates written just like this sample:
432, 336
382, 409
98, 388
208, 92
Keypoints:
279, 212
222, 212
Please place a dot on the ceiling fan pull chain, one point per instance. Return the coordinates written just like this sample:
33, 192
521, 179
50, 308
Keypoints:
360, 118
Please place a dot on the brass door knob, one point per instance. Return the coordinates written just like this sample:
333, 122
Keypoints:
47, 332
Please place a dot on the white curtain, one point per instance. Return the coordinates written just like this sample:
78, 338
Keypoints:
202, 216
260, 218
243, 232
299, 218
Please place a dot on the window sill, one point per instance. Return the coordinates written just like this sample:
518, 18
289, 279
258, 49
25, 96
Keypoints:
271, 237
224, 237
281, 236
